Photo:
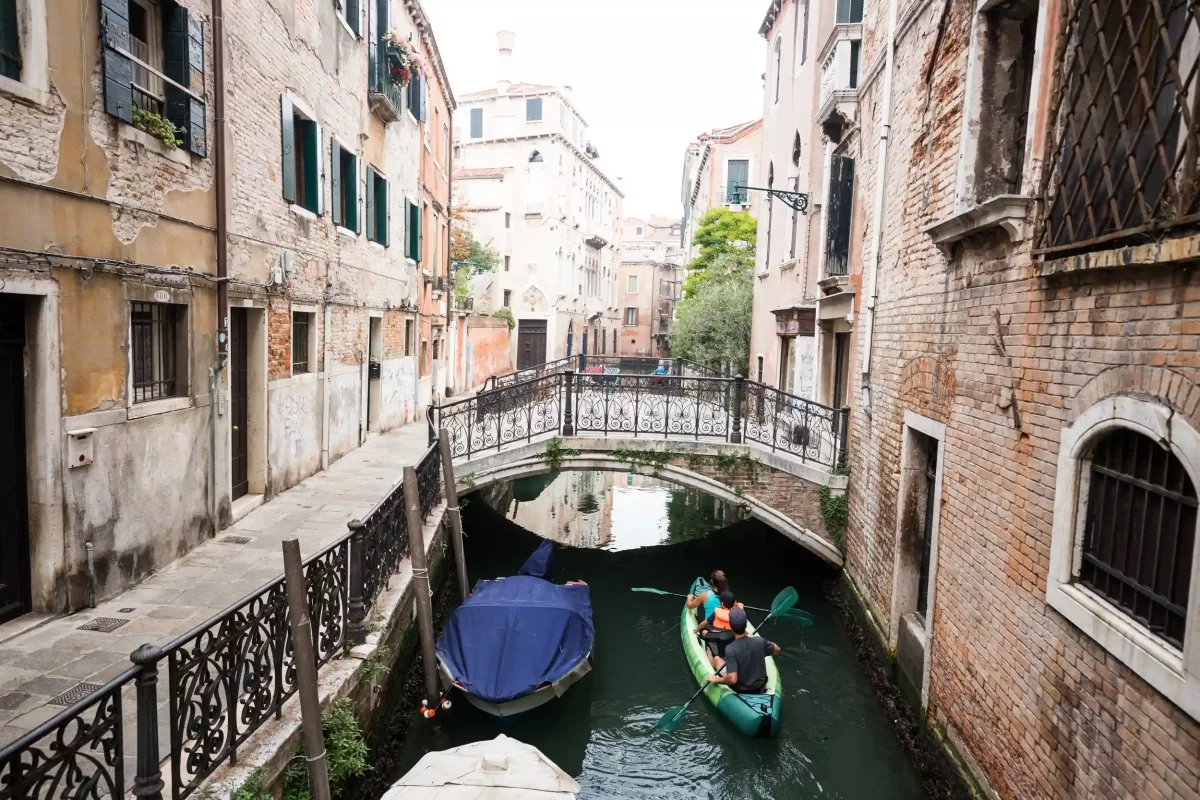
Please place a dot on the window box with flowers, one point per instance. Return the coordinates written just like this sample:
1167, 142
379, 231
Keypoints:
395, 66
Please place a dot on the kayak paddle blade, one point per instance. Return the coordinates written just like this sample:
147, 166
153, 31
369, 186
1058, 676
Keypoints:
784, 601
670, 721
798, 617
648, 590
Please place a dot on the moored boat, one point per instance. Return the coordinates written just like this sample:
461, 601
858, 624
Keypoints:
753, 714
518, 642
502, 769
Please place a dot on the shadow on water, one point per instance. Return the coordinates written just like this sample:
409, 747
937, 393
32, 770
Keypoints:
836, 741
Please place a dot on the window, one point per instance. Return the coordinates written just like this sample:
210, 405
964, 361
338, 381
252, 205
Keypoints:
10, 41
301, 331
802, 32
507, 262
476, 123
737, 178
412, 242
837, 228
507, 298
770, 214
344, 191
417, 97
639, 230
849, 11
301, 154
352, 14
378, 208
631, 316
167, 78
507, 220
159, 356
535, 157
614, 341
1122, 156
778, 65
409, 335
1139, 532
632, 284
533, 109
759, 370
436, 342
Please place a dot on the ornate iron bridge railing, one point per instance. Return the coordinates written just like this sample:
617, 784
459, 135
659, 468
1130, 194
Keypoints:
624, 365
225, 677
606, 404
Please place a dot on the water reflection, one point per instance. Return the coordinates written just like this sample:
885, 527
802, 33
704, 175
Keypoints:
611, 511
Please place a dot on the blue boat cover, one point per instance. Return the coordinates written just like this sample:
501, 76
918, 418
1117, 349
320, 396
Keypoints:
514, 634
540, 562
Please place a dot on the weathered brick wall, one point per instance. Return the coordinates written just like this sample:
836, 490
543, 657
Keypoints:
1044, 710
489, 348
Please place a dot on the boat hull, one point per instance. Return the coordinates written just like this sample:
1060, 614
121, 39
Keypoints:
756, 715
519, 705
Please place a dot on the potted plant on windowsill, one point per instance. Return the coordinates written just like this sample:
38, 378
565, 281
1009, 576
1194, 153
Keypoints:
402, 60
154, 124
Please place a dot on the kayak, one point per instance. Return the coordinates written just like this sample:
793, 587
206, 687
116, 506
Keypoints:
754, 715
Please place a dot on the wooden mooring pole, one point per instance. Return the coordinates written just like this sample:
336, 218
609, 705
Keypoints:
306, 670
452, 512
421, 584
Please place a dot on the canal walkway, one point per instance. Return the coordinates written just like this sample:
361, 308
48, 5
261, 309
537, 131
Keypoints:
45, 668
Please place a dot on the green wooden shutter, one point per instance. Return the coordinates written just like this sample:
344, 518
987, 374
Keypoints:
184, 64
420, 234
372, 234
353, 217
385, 219
287, 128
117, 69
354, 16
335, 181
424, 100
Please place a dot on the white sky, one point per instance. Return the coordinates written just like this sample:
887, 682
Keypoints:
647, 75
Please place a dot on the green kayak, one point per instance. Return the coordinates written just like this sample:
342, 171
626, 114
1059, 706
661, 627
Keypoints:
752, 714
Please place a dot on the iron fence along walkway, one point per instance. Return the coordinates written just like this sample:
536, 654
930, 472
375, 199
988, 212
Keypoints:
224, 678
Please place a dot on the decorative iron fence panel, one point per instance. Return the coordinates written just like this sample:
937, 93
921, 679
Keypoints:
653, 404
429, 478
800, 427
490, 420
80, 753
385, 543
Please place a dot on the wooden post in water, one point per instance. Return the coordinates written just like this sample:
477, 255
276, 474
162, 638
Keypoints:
306, 670
452, 512
420, 567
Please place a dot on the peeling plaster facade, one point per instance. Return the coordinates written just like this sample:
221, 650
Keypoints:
109, 217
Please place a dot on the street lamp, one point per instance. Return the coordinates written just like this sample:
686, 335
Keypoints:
797, 201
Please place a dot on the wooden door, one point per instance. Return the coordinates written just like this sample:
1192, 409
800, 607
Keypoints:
531, 343
239, 401
14, 510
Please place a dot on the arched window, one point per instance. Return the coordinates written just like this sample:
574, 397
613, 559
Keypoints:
1139, 531
796, 147
536, 158
778, 65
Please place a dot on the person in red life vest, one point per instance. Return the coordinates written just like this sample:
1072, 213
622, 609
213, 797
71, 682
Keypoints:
717, 629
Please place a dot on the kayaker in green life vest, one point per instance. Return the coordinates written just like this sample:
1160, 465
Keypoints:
745, 658
710, 598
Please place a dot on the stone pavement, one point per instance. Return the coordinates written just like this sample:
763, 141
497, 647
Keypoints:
38, 665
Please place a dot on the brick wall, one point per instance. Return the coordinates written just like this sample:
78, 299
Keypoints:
489, 340
1043, 709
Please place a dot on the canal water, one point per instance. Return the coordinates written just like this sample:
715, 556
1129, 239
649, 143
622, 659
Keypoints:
621, 531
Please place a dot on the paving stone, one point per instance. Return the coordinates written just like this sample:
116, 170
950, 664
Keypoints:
34, 717
48, 685
88, 665
13, 700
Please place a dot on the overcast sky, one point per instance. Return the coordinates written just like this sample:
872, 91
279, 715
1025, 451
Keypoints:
647, 75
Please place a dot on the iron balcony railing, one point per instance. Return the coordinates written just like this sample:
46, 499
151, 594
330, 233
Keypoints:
225, 677
1124, 146
386, 97
638, 365
569, 403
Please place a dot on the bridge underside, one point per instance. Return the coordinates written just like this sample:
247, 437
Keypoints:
773, 488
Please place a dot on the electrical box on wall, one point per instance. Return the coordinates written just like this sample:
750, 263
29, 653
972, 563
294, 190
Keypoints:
80, 447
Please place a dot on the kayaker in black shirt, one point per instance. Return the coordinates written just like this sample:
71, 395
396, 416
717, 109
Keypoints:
745, 658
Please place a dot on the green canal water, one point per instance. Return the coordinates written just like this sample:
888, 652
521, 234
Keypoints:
621, 531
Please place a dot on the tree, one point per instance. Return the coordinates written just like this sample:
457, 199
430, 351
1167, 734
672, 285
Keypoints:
480, 258
723, 232
712, 326
735, 264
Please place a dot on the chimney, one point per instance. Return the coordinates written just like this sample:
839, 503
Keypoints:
505, 42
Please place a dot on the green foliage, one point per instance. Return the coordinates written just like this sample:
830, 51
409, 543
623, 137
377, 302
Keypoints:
835, 509
554, 454
255, 788
372, 668
723, 232
153, 124
346, 753
655, 459
712, 325
480, 258
468, 480
739, 266
506, 315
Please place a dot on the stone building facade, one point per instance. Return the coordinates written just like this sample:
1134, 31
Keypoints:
132, 432
531, 181
712, 165
1025, 434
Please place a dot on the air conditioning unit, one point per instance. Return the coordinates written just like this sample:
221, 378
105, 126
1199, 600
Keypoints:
281, 272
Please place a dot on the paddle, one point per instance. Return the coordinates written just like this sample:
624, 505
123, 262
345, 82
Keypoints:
795, 616
671, 720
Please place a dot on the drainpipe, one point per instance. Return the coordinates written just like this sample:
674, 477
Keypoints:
326, 368
880, 198
222, 186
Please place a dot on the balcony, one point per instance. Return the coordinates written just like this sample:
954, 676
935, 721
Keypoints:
385, 97
840, 70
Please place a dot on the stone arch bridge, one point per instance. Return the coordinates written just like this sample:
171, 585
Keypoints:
773, 453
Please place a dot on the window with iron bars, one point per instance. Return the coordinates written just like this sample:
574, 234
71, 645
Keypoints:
1125, 140
301, 331
157, 335
1139, 532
